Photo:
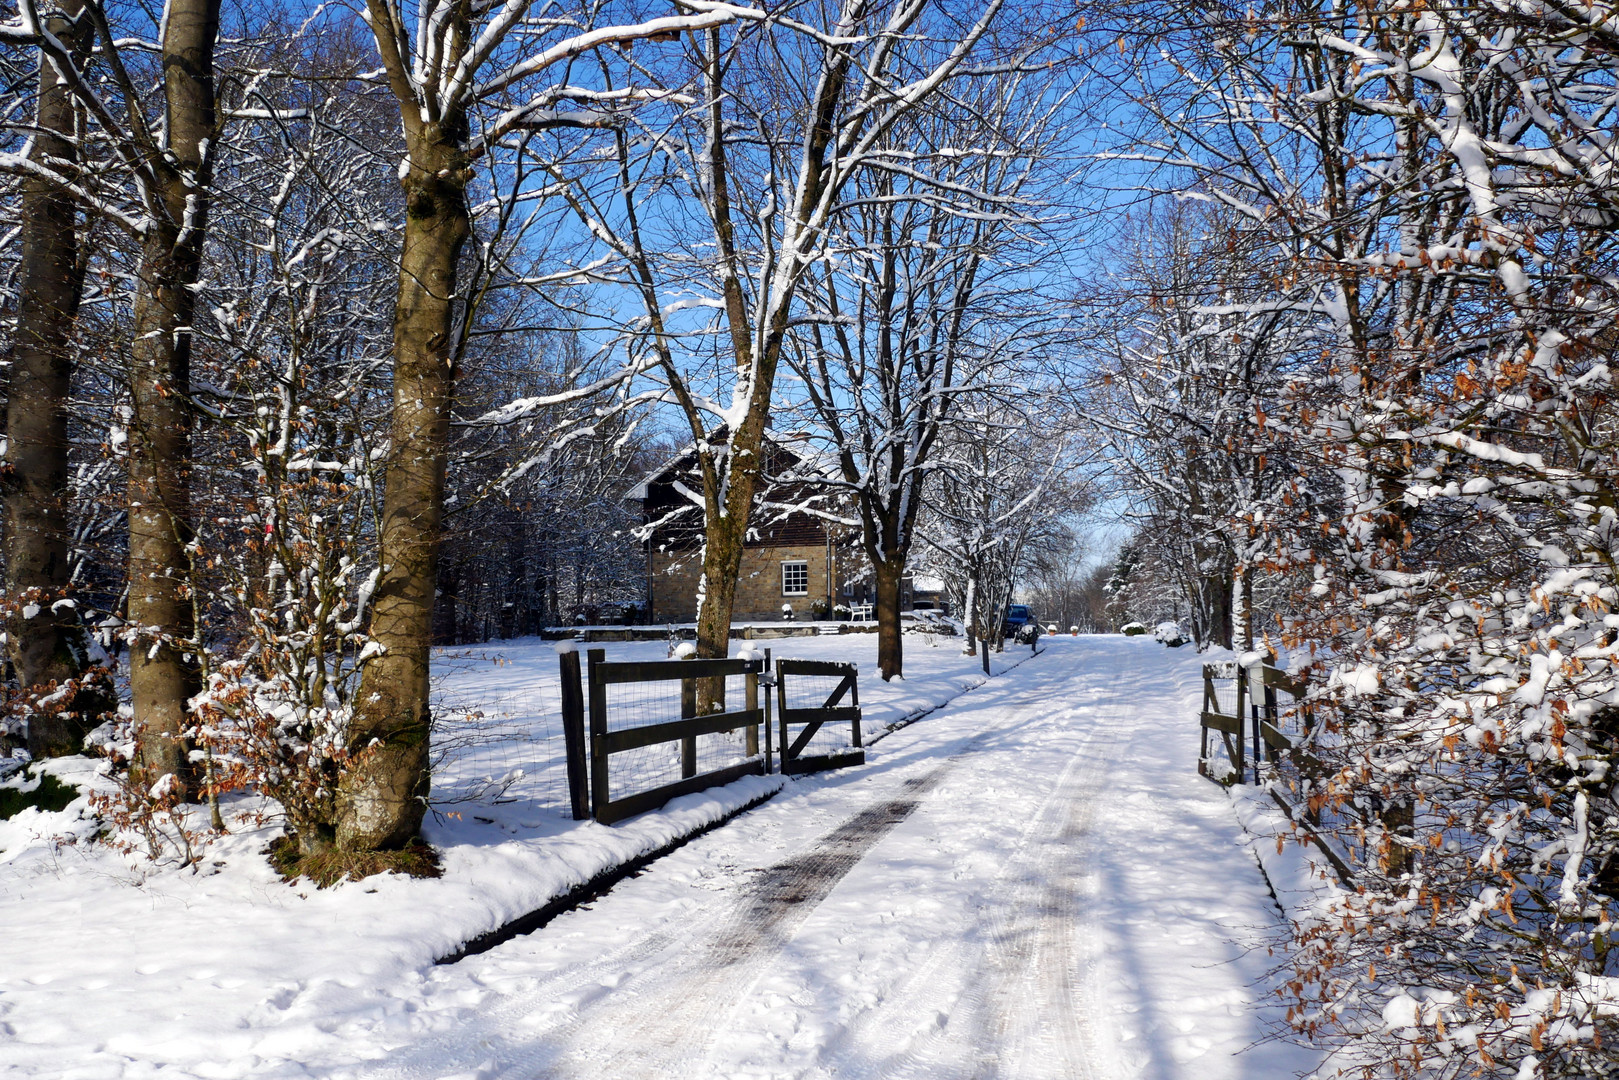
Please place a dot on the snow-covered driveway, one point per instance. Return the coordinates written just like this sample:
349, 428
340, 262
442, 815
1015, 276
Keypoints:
1032, 882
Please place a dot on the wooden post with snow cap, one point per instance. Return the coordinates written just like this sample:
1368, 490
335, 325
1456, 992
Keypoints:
751, 732
573, 729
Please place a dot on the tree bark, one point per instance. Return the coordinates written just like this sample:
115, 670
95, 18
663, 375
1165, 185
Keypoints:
163, 669
969, 614
52, 647
383, 791
890, 640
1242, 616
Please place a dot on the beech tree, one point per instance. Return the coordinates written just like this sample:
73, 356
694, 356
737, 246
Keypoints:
47, 642
154, 182
460, 81
1429, 190
921, 298
1185, 350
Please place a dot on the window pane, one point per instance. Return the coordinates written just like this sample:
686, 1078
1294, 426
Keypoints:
795, 579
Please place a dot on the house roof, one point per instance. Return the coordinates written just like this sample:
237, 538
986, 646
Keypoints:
813, 464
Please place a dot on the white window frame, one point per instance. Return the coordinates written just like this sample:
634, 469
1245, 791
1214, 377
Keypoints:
804, 565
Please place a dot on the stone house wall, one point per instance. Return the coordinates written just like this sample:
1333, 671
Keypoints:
759, 597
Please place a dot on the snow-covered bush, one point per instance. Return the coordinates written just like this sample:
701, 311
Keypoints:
1417, 228
1168, 633
1132, 629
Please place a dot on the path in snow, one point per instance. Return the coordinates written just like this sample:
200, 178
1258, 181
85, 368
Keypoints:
1032, 883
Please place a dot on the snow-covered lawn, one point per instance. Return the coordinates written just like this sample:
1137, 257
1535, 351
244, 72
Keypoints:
1031, 881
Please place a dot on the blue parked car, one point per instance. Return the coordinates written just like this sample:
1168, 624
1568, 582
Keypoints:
1018, 621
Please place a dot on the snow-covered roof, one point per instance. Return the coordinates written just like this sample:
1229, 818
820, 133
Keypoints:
812, 461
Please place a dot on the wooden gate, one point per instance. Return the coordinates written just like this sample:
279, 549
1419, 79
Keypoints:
793, 759
605, 741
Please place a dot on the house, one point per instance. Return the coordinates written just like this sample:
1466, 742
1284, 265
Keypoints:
792, 556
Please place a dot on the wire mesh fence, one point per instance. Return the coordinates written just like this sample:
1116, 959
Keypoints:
812, 691
507, 748
633, 705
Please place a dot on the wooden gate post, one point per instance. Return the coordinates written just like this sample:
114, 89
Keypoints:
573, 734
1210, 704
1242, 739
751, 732
1272, 716
688, 709
854, 699
598, 733
768, 747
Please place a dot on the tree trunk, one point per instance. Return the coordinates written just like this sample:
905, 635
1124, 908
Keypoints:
1242, 617
1214, 610
969, 615
51, 647
722, 565
890, 641
381, 796
163, 669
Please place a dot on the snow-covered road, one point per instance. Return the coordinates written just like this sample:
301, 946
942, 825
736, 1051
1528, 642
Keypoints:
1032, 883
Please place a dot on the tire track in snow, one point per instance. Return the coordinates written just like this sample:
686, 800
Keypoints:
1017, 1005
648, 1033
653, 1033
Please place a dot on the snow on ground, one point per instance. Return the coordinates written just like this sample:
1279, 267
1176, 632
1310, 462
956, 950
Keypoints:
1032, 881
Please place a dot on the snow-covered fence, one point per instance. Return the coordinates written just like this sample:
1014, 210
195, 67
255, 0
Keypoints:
1240, 703
647, 745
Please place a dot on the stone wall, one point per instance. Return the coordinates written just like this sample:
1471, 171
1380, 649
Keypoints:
758, 592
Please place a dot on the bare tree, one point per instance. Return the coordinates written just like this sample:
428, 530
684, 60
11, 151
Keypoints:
162, 167
46, 639
1007, 487
918, 305
786, 115
1185, 348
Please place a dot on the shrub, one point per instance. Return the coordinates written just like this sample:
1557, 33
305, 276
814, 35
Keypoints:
44, 792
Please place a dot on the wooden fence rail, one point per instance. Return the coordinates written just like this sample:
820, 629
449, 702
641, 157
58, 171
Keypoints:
591, 740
